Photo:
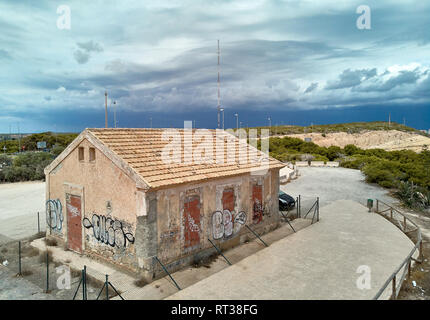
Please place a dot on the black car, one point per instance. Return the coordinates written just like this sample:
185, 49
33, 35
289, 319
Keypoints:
286, 202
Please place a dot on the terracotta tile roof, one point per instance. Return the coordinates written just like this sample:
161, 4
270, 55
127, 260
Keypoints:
142, 150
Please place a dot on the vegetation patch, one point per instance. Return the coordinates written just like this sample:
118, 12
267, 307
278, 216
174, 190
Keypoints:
51, 242
140, 282
405, 172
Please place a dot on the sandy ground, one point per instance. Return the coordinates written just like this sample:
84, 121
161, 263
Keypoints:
389, 140
19, 204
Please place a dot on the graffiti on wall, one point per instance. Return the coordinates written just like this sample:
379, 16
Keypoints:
108, 231
54, 215
225, 224
257, 203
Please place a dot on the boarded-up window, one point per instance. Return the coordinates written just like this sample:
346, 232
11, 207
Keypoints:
92, 154
81, 153
257, 203
192, 221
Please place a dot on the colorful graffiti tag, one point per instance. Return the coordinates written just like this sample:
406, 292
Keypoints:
108, 231
225, 224
54, 215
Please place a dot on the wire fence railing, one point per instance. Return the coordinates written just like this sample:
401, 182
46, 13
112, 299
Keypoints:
307, 208
413, 231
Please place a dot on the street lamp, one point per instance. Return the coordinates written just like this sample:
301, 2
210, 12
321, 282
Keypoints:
270, 124
222, 110
237, 121
114, 112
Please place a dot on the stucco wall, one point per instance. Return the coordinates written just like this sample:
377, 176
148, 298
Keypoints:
176, 244
108, 198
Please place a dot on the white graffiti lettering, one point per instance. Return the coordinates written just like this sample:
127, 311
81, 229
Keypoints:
225, 224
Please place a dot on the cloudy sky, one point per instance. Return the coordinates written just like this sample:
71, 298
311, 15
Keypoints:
296, 61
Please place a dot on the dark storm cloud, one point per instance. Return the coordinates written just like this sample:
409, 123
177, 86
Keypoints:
312, 87
161, 55
351, 78
404, 77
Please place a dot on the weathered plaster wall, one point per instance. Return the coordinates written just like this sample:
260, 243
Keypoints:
108, 198
225, 206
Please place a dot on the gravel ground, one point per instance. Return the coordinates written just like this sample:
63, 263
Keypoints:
331, 184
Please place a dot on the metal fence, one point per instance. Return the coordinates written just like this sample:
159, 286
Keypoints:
412, 230
308, 208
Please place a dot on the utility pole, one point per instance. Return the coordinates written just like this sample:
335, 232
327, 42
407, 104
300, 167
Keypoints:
222, 110
389, 119
219, 104
106, 115
19, 140
114, 114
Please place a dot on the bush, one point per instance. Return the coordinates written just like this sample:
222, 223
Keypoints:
389, 169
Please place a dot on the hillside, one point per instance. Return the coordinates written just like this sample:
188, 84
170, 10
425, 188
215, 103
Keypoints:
390, 140
365, 135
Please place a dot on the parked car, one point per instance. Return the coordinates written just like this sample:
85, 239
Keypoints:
286, 202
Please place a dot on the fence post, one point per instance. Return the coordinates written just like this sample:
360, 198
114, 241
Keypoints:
409, 268
300, 205
394, 288
107, 287
421, 250
297, 207
84, 283
391, 213
318, 209
377, 205
47, 271
19, 257
404, 221
38, 222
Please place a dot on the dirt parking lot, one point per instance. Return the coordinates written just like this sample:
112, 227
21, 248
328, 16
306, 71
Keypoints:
331, 184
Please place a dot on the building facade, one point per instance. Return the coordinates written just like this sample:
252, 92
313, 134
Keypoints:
129, 195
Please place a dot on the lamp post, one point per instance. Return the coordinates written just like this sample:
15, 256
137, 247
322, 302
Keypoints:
114, 114
270, 124
106, 114
222, 110
237, 120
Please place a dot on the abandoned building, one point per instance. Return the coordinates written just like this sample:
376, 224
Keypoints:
111, 195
